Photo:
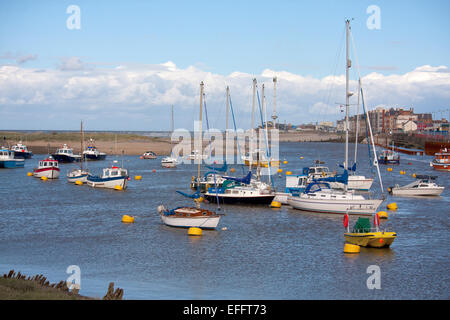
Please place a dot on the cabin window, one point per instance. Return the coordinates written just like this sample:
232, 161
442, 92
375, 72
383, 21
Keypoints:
114, 173
45, 164
40, 163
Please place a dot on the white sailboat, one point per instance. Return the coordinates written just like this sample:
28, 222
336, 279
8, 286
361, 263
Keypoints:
170, 161
319, 196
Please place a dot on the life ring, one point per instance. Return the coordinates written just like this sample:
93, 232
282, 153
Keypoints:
376, 219
346, 220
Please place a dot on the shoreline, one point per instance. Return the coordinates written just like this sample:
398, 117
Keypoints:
131, 144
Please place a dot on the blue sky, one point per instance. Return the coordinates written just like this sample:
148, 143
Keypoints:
298, 37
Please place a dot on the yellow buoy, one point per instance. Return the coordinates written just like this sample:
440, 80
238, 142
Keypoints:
79, 183
275, 204
301, 158
389, 169
414, 175
137, 177
382, 214
233, 170
351, 248
29, 174
288, 173
392, 206
118, 188
127, 219
402, 172
193, 231
44, 178
280, 170
285, 162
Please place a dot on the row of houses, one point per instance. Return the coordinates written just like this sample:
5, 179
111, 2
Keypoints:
394, 120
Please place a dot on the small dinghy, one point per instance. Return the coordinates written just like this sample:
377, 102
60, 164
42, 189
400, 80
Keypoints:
423, 186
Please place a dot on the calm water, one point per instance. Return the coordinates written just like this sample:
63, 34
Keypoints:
264, 253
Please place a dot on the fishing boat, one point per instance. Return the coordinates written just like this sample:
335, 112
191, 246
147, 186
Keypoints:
441, 161
169, 162
8, 160
318, 171
319, 195
21, 151
389, 157
187, 217
79, 174
66, 155
48, 168
364, 235
194, 155
295, 184
424, 185
92, 153
111, 178
149, 155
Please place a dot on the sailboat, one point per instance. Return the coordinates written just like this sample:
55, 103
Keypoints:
319, 195
247, 189
186, 217
170, 161
79, 174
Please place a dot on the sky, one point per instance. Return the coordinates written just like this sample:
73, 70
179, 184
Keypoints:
129, 61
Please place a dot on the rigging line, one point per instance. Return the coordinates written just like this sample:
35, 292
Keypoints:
201, 155
331, 85
265, 139
235, 130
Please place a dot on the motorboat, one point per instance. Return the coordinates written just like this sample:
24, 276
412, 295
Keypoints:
21, 151
66, 155
8, 160
187, 217
49, 168
295, 184
149, 155
111, 178
364, 235
424, 185
195, 155
389, 157
210, 179
441, 161
169, 162
79, 174
92, 153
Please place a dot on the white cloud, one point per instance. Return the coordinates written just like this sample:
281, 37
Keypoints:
144, 92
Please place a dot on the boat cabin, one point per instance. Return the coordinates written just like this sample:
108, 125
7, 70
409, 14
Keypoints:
49, 162
6, 154
114, 172
65, 150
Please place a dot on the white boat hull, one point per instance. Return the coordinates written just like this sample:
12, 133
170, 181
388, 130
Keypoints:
417, 191
281, 197
49, 174
356, 207
111, 184
199, 222
79, 175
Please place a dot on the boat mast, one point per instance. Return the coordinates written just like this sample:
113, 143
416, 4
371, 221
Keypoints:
274, 115
81, 144
200, 134
253, 125
347, 97
357, 121
228, 108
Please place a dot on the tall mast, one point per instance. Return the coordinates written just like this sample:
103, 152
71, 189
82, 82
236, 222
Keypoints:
228, 108
274, 115
262, 105
357, 120
81, 144
347, 97
200, 134
253, 125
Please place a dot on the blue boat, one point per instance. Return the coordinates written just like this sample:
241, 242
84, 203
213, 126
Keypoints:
7, 159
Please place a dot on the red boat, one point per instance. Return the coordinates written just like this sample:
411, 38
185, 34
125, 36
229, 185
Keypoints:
441, 160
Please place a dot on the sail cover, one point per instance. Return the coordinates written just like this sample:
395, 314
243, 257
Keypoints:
245, 180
